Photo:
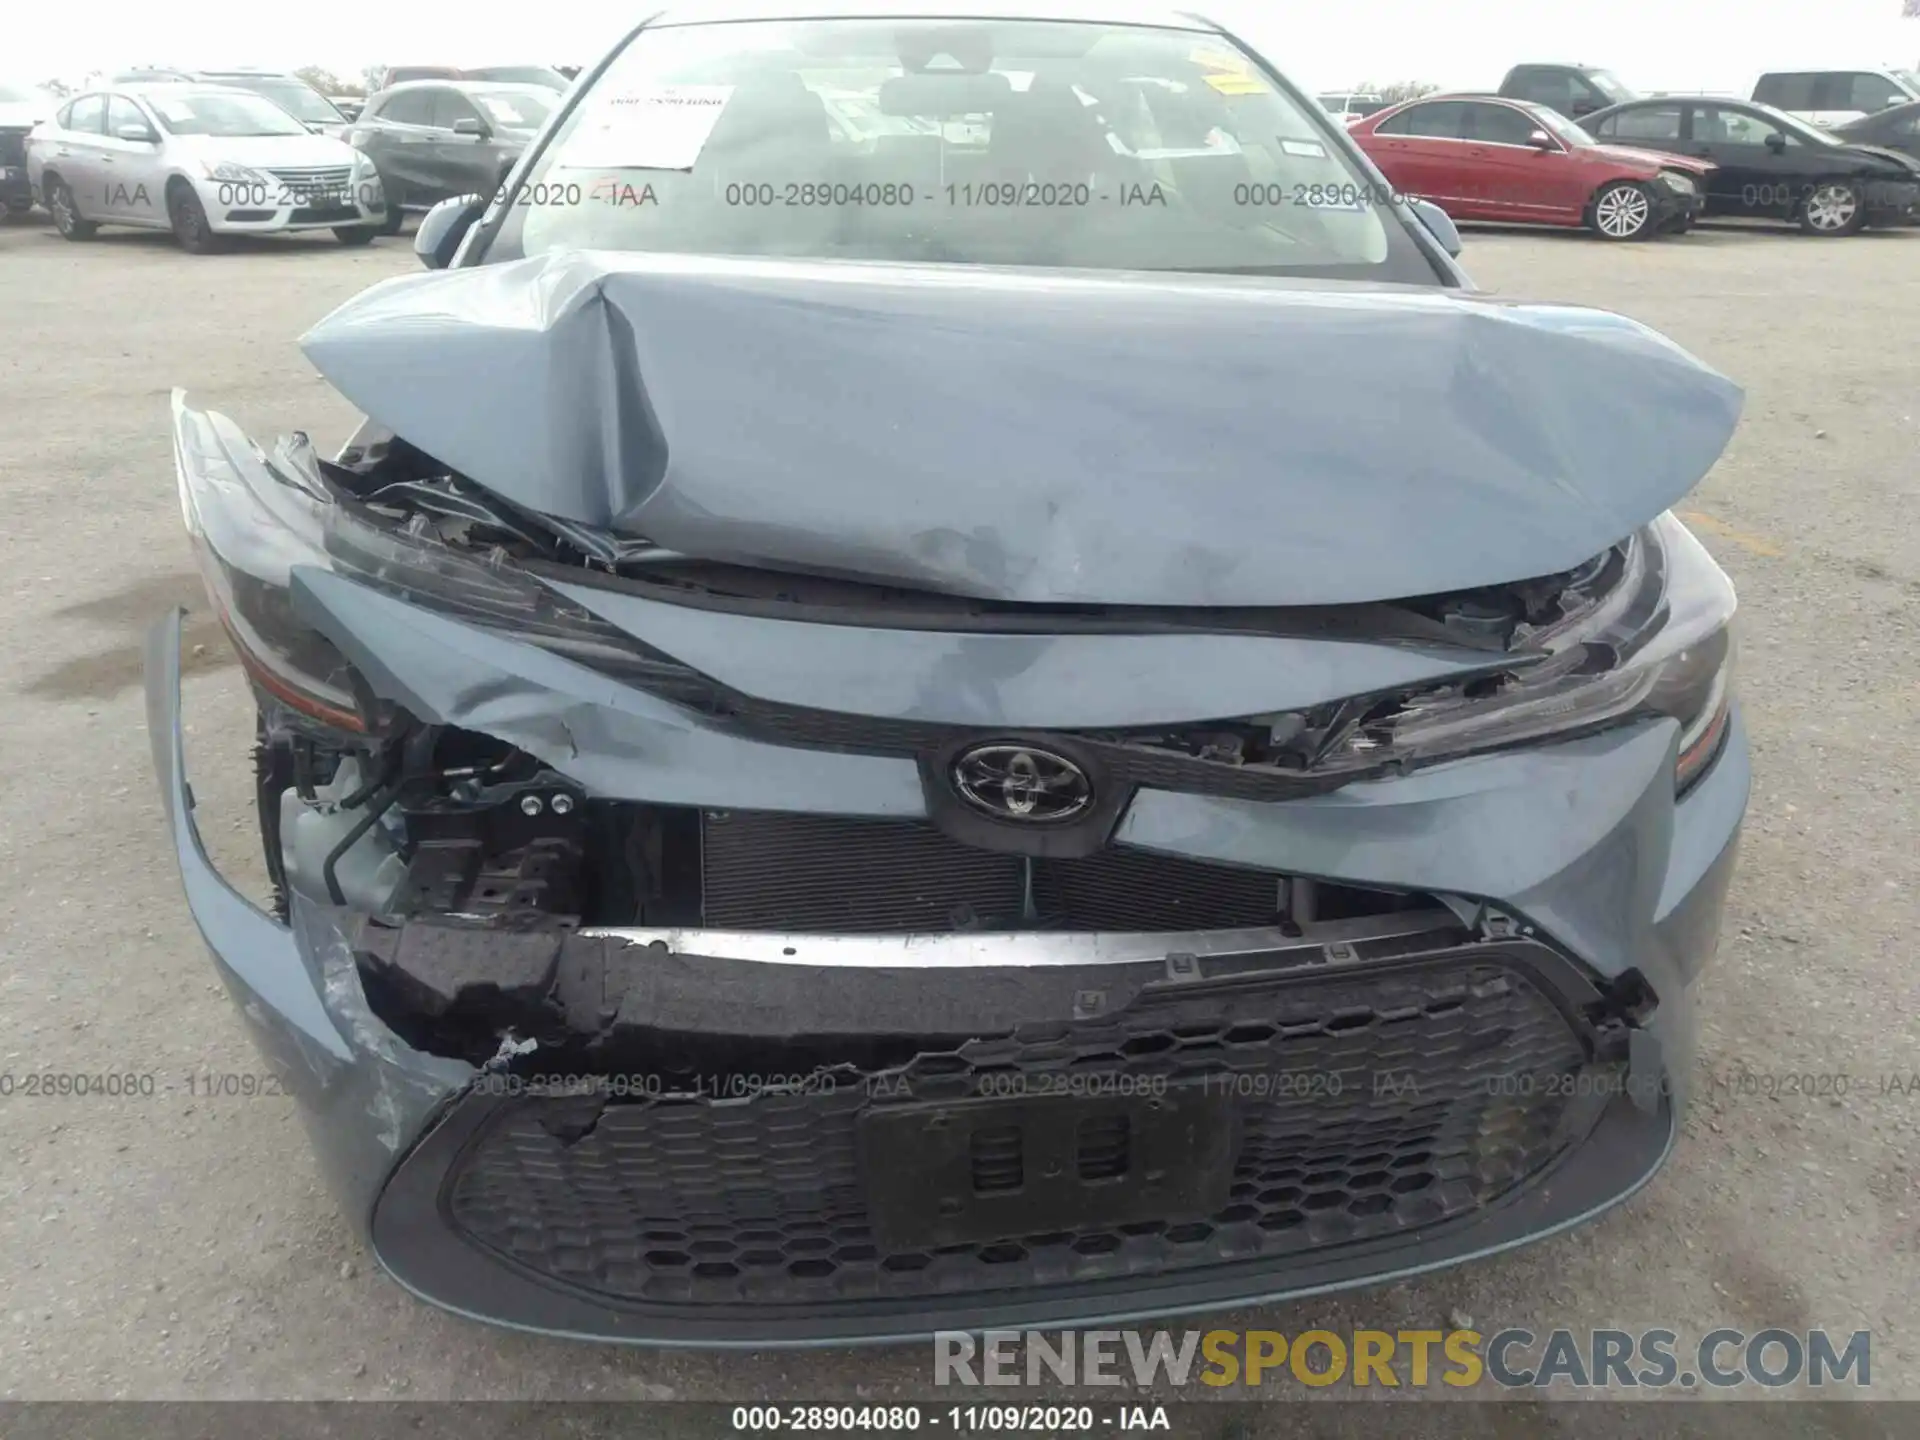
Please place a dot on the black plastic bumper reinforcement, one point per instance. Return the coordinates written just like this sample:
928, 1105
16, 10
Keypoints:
1049, 1144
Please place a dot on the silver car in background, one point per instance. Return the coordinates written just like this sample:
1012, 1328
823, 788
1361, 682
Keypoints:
204, 161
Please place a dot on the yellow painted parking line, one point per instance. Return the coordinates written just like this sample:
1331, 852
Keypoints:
1758, 544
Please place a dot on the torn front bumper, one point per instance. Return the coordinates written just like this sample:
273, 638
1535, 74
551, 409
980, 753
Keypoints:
1487, 1096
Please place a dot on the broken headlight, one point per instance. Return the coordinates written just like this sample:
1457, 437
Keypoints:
254, 516
1661, 643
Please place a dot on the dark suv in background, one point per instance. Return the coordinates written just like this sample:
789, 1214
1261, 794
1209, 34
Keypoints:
434, 139
21, 108
1573, 90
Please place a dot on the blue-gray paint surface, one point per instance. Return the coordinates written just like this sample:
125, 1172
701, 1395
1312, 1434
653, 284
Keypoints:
1041, 436
1035, 680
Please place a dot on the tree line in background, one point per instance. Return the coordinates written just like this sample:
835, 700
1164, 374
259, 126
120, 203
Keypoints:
1396, 92
320, 78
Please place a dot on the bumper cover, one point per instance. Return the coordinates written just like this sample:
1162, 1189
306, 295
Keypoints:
1362, 1118
1579, 839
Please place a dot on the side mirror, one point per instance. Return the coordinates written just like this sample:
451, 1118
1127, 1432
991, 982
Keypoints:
443, 227
1541, 140
138, 134
477, 129
1439, 224
1776, 142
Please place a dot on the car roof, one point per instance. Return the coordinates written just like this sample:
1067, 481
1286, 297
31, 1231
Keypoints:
1725, 102
512, 87
143, 89
1114, 12
1829, 70
1485, 97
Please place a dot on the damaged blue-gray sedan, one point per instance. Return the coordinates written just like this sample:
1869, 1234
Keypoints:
958, 681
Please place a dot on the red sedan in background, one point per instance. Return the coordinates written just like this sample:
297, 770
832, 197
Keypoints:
1480, 157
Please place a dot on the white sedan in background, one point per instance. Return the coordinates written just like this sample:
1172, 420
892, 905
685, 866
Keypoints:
204, 161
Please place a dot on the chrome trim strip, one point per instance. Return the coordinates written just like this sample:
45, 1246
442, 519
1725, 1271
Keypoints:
1020, 948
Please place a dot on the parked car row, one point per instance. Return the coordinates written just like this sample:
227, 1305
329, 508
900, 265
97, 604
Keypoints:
1820, 97
1637, 168
213, 154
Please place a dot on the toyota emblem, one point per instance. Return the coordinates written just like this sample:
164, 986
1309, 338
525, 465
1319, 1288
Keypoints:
1018, 782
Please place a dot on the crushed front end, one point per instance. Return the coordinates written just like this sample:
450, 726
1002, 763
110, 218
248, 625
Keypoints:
683, 951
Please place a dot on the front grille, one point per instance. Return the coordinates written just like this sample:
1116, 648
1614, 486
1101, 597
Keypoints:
325, 177
1423, 1095
13, 147
826, 874
1126, 764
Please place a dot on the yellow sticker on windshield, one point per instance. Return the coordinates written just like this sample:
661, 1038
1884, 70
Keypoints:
1236, 84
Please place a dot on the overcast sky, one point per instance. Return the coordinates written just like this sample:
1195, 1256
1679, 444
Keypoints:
1650, 44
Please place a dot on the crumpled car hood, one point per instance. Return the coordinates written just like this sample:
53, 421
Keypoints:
1036, 436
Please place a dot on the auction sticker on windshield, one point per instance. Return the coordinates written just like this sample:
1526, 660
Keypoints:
664, 128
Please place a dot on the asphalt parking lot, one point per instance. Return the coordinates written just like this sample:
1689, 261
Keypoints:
180, 1245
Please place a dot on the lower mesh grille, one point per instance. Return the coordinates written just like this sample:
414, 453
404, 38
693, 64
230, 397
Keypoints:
812, 873
1361, 1107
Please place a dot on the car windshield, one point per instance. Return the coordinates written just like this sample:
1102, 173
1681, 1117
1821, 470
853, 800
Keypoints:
1608, 85
224, 113
1794, 126
290, 95
1910, 79
1570, 134
1012, 142
515, 109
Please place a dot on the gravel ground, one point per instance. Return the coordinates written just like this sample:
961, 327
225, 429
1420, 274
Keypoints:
181, 1246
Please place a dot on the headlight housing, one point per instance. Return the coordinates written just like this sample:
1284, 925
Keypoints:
1660, 643
234, 174
254, 517
1678, 183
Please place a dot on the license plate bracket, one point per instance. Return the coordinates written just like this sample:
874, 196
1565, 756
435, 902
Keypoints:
997, 1167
